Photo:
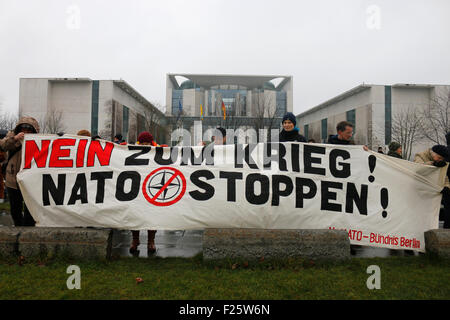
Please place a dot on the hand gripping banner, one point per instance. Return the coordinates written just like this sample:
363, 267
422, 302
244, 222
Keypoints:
379, 200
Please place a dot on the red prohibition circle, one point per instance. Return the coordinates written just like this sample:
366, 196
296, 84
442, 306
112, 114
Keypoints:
155, 198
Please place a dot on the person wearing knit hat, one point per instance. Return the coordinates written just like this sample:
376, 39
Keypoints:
438, 156
290, 132
442, 151
395, 150
145, 138
446, 191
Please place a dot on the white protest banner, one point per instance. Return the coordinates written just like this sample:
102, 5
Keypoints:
381, 201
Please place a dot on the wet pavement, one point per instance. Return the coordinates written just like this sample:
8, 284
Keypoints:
188, 243
169, 243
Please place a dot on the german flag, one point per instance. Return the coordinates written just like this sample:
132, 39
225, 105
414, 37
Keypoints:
224, 111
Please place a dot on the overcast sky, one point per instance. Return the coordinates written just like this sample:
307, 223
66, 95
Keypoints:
327, 46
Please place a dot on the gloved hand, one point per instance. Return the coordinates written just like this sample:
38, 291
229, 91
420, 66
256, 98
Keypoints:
439, 164
446, 192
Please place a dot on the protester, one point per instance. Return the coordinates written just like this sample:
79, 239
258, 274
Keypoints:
146, 139
344, 134
97, 137
395, 150
118, 138
12, 144
84, 133
290, 132
2, 182
446, 191
438, 156
3, 134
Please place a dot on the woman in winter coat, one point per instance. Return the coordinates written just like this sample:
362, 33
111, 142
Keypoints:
290, 132
146, 139
12, 144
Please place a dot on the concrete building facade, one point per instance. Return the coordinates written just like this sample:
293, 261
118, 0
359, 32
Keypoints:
104, 107
371, 109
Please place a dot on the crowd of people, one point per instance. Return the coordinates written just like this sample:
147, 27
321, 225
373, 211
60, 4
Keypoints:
11, 145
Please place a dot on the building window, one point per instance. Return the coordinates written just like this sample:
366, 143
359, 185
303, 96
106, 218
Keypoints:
324, 130
281, 103
306, 128
94, 108
387, 114
351, 117
177, 101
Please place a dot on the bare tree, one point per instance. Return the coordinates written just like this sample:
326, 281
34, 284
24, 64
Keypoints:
406, 129
8, 121
436, 117
264, 111
52, 122
152, 118
108, 129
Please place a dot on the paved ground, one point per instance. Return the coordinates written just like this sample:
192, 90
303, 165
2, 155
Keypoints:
188, 243
177, 243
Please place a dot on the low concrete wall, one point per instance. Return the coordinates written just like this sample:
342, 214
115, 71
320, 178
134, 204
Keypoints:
253, 244
9, 241
78, 243
437, 242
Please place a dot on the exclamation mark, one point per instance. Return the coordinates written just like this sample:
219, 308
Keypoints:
372, 163
384, 201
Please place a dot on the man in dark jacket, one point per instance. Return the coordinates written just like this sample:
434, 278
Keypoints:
344, 134
446, 191
290, 132
395, 150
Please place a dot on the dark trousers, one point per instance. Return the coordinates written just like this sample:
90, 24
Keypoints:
17, 206
446, 202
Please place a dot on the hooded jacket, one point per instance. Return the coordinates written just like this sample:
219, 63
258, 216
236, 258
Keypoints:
13, 148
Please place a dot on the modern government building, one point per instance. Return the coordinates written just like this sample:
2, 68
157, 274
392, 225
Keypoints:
108, 107
371, 108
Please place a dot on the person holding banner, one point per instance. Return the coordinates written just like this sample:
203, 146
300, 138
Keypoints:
344, 134
446, 191
437, 156
395, 150
12, 144
145, 139
290, 132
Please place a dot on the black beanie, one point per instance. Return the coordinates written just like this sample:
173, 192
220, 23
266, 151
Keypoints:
290, 116
441, 150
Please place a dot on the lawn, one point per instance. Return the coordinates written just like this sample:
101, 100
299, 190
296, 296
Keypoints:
419, 277
4, 207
